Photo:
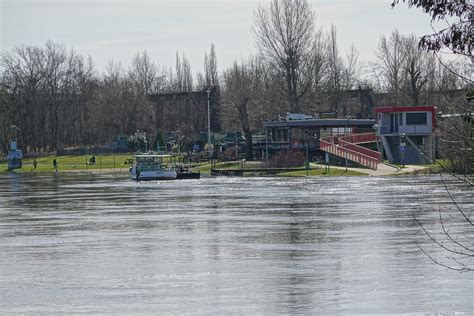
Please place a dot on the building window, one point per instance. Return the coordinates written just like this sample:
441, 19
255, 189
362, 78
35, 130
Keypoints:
416, 119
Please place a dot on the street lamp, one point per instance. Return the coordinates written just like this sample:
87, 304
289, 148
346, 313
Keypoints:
307, 159
209, 145
345, 137
266, 145
402, 148
15, 132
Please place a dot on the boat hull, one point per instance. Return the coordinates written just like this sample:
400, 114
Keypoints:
154, 175
188, 175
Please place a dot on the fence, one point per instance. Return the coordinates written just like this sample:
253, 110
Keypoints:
345, 147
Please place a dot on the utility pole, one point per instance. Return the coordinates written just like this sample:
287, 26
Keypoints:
345, 137
402, 148
266, 146
15, 135
236, 146
307, 160
208, 115
210, 148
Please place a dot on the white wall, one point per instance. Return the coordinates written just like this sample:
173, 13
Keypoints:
425, 129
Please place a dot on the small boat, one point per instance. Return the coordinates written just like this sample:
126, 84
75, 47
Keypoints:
152, 167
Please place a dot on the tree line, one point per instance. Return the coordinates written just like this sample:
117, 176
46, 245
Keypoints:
56, 98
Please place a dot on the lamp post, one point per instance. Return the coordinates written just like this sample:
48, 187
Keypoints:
266, 146
15, 133
307, 159
208, 91
345, 138
402, 148
209, 146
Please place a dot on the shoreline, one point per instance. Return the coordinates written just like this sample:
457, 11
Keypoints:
384, 170
89, 171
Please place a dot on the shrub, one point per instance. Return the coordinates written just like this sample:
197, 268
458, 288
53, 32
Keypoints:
288, 159
229, 153
138, 141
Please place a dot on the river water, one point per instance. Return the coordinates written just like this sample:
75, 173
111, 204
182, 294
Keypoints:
75, 243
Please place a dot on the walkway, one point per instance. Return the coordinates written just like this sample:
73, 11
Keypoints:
382, 169
348, 147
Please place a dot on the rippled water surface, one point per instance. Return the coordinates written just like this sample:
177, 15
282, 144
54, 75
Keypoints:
105, 244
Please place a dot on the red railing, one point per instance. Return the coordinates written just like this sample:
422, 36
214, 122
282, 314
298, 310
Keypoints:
359, 138
346, 149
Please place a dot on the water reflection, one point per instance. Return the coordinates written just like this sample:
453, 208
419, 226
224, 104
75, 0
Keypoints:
103, 244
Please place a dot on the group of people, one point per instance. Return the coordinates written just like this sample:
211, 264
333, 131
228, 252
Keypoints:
55, 164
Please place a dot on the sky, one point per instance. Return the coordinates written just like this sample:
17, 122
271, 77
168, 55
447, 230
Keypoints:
118, 29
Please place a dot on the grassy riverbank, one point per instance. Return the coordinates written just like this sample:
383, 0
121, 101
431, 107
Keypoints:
121, 163
313, 171
71, 163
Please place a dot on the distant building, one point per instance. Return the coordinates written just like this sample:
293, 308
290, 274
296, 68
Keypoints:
288, 133
185, 111
406, 133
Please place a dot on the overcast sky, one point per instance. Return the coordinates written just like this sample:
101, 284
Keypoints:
117, 29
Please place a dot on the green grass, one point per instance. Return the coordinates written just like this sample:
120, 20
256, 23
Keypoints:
444, 162
206, 167
66, 163
45, 163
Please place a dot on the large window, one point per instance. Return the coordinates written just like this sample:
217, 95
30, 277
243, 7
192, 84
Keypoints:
416, 118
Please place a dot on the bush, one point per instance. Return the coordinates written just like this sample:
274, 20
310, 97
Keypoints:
288, 159
230, 154
138, 141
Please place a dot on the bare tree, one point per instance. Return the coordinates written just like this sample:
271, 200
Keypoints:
110, 98
241, 98
458, 37
48, 88
201, 83
335, 73
318, 65
187, 75
351, 71
184, 79
144, 72
22, 76
5, 119
285, 37
419, 68
210, 68
391, 61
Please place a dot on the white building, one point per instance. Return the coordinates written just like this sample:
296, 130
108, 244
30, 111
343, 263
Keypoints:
406, 133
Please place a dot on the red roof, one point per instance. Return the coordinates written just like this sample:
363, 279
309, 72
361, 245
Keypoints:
405, 109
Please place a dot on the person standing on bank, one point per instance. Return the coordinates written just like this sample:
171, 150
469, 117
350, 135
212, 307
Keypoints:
55, 165
35, 163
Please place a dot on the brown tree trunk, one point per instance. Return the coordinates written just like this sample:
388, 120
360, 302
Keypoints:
248, 144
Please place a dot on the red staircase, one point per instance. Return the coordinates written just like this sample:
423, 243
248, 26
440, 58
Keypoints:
346, 147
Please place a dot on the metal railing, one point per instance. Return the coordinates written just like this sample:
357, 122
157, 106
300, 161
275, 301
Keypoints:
342, 147
359, 138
